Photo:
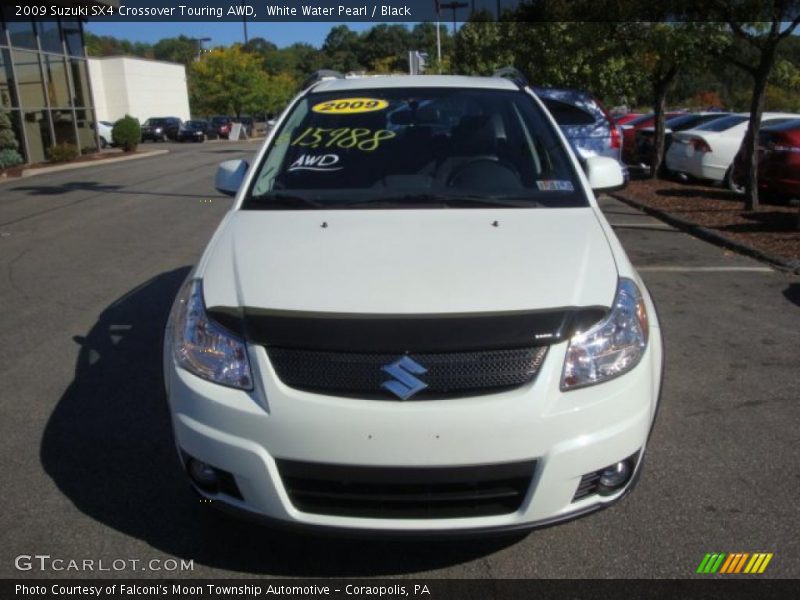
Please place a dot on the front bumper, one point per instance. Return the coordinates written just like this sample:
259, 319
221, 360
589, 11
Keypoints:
567, 434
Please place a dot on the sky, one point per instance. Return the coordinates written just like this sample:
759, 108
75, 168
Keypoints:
223, 34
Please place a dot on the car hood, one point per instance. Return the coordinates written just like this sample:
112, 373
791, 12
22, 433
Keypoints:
406, 262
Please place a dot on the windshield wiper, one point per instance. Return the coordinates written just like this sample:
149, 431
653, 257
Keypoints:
284, 201
449, 200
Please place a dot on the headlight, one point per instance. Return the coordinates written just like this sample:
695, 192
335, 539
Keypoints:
612, 347
204, 347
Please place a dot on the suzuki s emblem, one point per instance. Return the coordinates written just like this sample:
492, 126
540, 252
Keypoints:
404, 385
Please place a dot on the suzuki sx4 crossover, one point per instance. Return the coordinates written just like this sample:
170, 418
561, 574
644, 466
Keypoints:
415, 319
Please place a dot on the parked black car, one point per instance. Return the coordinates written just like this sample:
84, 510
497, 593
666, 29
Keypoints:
196, 131
161, 129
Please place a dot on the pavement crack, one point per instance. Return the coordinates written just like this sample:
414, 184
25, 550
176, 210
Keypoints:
10, 275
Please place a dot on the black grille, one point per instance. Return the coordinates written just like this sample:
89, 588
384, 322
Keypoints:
448, 373
406, 492
588, 485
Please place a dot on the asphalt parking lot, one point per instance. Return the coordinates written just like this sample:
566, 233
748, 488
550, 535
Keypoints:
90, 262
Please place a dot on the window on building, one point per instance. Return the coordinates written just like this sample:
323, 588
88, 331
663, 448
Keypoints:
57, 84
29, 79
21, 34
86, 137
37, 133
73, 37
49, 36
7, 99
80, 83
64, 126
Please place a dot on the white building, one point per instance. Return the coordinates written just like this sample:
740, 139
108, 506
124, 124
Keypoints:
138, 87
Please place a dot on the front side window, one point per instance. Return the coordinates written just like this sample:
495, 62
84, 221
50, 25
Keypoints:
415, 148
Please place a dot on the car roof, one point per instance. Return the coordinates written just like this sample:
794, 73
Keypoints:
784, 126
413, 81
564, 94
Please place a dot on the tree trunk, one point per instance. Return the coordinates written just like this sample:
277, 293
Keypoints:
760, 77
660, 89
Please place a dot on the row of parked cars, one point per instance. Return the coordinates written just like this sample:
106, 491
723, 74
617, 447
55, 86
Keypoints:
161, 129
708, 146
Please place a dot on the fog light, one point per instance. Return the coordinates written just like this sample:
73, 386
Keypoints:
204, 476
615, 475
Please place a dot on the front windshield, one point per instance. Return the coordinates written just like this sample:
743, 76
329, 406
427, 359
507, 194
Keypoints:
154, 122
415, 148
195, 125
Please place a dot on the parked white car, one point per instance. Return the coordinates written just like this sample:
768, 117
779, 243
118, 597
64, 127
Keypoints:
707, 151
415, 318
104, 132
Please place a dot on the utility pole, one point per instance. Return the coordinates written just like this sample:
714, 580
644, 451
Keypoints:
244, 21
454, 6
438, 34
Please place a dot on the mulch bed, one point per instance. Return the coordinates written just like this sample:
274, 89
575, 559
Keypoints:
772, 228
97, 156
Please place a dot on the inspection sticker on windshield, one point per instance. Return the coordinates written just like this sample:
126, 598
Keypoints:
555, 185
349, 106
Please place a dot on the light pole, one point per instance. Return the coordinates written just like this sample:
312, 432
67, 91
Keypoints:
454, 6
199, 42
244, 22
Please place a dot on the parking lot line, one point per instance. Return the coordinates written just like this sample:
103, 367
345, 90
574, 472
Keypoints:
678, 269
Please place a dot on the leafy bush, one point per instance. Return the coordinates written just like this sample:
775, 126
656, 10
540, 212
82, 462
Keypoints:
8, 140
9, 158
63, 152
127, 133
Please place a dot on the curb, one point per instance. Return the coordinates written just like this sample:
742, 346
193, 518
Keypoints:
81, 165
709, 235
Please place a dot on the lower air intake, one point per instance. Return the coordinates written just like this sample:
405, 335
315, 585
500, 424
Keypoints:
407, 492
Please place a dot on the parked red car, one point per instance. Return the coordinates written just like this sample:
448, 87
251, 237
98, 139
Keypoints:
222, 125
622, 119
778, 162
629, 130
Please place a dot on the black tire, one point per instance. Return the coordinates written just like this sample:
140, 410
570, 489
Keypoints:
730, 184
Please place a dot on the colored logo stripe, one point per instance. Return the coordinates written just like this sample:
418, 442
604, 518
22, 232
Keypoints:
734, 563
711, 563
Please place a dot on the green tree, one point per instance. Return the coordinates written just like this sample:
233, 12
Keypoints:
662, 51
340, 49
228, 80
182, 49
757, 58
481, 46
384, 41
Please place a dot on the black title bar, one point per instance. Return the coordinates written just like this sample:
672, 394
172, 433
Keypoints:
402, 10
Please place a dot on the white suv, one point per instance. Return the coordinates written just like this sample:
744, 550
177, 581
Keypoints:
415, 318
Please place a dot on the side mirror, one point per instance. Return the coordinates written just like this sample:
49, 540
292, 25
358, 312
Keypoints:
604, 174
230, 176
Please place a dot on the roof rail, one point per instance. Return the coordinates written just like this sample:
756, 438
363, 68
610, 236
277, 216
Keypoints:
321, 75
512, 74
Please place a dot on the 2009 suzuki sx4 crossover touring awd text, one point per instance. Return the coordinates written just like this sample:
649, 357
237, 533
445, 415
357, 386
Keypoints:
415, 319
